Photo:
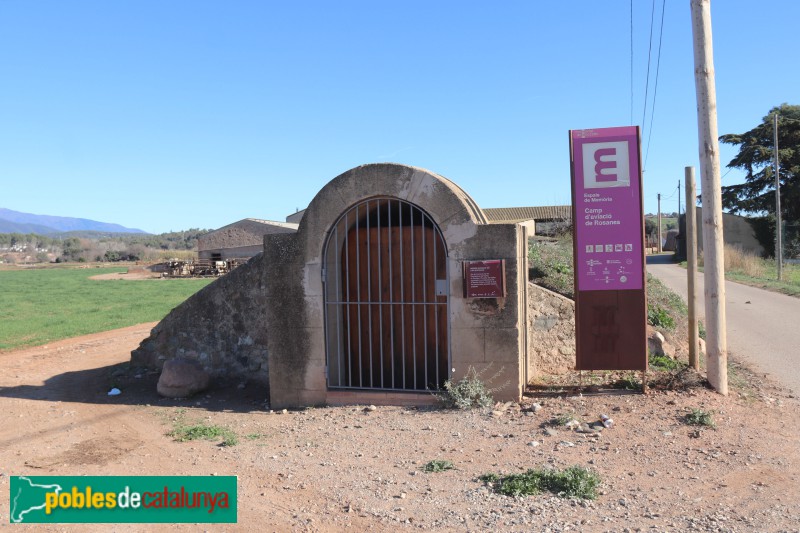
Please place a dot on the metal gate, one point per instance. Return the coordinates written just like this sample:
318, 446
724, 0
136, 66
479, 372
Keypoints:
386, 290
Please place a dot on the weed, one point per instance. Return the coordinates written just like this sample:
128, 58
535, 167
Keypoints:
438, 465
572, 482
659, 317
628, 382
183, 433
467, 393
698, 417
662, 362
562, 419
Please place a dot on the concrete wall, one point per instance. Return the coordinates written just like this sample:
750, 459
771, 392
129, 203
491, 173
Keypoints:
484, 332
239, 252
223, 326
736, 231
551, 332
244, 238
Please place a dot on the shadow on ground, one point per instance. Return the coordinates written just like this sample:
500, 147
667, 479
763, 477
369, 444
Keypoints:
138, 387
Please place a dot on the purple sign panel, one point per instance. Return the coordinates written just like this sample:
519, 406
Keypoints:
607, 209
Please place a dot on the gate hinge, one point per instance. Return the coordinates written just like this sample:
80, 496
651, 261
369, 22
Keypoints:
326, 371
324, 275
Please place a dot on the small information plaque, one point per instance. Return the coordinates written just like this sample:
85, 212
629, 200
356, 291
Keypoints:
485, 279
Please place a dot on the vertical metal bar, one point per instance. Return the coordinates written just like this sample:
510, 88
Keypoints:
369, 294
346, 273
436, 299
380, 290
391, 290
338, 304
425, 299
413, 300
358, 293
402, 293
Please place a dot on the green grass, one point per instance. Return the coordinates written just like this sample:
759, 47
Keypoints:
664, 363
572, 482
183, 433
45, 305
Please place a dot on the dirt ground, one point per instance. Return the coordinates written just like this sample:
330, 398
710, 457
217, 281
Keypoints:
330, 469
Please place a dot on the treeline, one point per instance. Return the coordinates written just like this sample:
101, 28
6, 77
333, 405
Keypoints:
99, 247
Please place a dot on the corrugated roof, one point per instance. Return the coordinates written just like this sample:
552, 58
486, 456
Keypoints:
521, 214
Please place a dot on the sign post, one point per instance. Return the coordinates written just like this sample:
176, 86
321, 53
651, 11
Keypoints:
608, 226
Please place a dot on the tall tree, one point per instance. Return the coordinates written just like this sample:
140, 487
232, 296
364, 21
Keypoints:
756, 149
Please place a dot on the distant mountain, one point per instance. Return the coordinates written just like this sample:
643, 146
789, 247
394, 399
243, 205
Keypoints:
46, 224
6, 226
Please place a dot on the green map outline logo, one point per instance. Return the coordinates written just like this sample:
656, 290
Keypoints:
123, 499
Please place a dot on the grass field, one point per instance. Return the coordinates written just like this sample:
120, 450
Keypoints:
44, 305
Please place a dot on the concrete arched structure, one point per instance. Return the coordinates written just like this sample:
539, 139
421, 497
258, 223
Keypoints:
485, 332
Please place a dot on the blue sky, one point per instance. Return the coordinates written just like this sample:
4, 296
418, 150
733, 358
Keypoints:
170, 115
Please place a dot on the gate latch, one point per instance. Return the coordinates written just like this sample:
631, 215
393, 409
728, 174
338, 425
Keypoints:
441, 287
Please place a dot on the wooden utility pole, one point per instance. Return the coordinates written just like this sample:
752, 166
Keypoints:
778, 221
691, 268
679, 200
658, 244
713, 253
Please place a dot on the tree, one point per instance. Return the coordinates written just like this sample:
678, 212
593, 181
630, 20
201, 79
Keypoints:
755, 157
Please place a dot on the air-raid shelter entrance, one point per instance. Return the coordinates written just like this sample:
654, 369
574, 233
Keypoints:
368, 301
386, 288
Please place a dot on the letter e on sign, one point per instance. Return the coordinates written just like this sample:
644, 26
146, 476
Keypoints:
606, 165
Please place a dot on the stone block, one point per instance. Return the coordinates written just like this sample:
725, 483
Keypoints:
181, 378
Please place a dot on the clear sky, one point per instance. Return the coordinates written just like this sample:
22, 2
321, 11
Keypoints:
196, 113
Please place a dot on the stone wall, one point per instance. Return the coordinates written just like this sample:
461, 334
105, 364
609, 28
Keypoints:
551, 332
223, 326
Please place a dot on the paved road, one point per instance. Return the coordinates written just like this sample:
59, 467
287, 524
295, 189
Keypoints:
763, 326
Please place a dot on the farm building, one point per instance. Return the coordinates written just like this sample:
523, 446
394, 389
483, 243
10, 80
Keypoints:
240, 240
541, 220
394, 282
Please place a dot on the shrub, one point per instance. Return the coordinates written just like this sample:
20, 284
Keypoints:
659, 317
662, 362
467, 393
699, 417
438, 465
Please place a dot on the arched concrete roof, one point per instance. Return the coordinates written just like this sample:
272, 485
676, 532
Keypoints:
453, 210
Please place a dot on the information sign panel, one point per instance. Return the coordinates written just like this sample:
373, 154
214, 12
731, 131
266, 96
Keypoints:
608, 222
608, 209
484, 279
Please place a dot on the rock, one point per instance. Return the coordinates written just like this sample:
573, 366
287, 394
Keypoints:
702, 346
181, 377
657, 344
371, 408
536, 407
550, 432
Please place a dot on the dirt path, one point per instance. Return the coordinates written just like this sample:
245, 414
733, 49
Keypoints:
331, 469
762, 325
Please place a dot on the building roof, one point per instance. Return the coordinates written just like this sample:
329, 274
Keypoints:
521, 214
289, 225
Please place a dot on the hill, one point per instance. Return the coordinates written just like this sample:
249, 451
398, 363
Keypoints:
16, 221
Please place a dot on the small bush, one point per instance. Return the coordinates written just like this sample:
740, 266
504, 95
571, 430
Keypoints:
659, 317
698, 417
438, 465
662, 362
467, 393
572, 482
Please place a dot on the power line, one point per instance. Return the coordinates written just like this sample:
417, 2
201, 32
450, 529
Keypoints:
631, 62
655, 87
649, 53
